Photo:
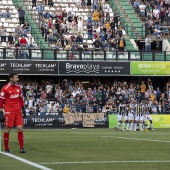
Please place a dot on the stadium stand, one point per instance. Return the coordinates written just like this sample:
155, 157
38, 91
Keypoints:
76, 12
9, 26
50, 97
58, 29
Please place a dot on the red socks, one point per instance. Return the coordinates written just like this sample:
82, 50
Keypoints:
21, 139
6, 140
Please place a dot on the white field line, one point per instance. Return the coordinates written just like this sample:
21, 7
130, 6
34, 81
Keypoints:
150, 140
105, 162
26, 161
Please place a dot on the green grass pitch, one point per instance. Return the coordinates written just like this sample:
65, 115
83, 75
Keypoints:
91, 149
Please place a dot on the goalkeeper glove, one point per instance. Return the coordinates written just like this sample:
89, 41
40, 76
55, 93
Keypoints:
2, 117
23, 112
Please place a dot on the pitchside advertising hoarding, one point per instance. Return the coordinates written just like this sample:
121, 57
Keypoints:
150, 68
29, 67
76, 120
94, 68
159, 121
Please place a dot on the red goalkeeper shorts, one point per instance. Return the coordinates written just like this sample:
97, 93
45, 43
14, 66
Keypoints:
12, 120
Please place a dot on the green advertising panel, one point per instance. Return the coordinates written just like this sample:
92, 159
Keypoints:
112, 121
150, 68
159, 121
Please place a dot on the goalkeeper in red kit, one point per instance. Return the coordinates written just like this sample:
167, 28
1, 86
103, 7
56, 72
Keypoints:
12, 110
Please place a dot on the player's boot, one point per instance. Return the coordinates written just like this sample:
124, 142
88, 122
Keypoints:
116, 128
151, 129
7, 151
22, 150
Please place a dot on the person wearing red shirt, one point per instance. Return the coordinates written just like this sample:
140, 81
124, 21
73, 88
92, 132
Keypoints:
12, 108
23, 41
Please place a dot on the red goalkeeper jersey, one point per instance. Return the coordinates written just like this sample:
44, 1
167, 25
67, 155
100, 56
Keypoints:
11, 94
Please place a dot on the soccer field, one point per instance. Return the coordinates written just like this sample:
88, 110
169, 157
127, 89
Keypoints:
91, 149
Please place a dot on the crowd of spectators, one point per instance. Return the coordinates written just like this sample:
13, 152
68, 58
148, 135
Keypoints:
18, 39
156, 13
50, 97
63, 29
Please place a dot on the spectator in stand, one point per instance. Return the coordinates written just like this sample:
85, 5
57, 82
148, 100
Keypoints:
18, 30
3, 33
96, 17
97, 44
50, 96
142, 8
21, 14
31, 44
50, 39
89, 31
102, 15
70, 19
66, 108
157, 33
23, 42
157, 23
148, 43
79, 38
53, 15
168, 16
156, 12
17, 41
10, 38
162, 15
121, 44
80, 25
83, 4
34, 3
7, 13
68, 46
136, 6
74, 26
69, 9
89, 17
27, 28
64, 14
40, 9
46, 14
50, 3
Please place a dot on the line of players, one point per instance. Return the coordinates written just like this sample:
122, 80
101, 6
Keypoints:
132, 116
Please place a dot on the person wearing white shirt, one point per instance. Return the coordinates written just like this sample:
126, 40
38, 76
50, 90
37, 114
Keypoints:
67, 37
142, 8
80, 25
68, 9
74, 93
48, 87
156, 12
98, 31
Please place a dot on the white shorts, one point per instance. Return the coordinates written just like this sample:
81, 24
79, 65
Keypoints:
141, 118
130, 116
119, 118
125, 118
136, 117
148, 117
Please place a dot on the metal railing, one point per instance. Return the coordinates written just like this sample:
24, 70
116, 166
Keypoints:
96, 54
